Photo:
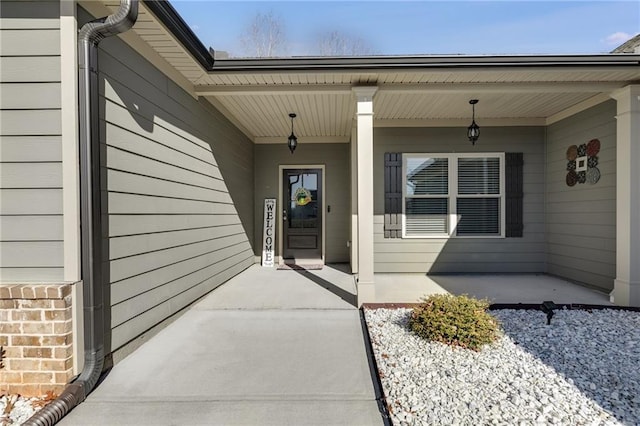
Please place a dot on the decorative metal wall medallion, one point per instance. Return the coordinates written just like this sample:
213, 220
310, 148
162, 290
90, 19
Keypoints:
593, 147
593, 175
582, 176
582, 162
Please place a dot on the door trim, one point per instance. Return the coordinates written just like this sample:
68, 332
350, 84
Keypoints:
280, 205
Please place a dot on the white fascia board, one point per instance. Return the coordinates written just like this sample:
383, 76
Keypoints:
426, 88
524, 87
460, 122
269, 90
304, 139
224, 111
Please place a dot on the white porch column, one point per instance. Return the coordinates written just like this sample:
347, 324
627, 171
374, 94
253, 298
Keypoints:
626, 289
364, 164
353, 249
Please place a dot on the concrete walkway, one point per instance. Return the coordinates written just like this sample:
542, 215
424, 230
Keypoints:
267, 348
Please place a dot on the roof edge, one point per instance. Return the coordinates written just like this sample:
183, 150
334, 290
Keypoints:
630, 46
424, 61
170, 18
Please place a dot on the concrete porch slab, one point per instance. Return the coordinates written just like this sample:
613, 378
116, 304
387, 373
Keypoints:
498, 288
269, 288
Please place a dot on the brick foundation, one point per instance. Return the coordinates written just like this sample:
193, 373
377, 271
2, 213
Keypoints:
36, 333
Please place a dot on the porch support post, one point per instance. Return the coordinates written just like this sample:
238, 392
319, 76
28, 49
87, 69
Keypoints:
364, 163
353, 246
626, 289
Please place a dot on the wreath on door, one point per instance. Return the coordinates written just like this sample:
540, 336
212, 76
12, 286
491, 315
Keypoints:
302, 196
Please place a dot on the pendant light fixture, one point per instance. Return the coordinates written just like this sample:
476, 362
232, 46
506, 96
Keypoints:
292, 142
473, 131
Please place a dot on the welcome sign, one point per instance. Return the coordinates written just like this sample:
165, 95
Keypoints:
268, 237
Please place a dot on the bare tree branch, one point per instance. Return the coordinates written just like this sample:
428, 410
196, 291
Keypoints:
264, 37
335, 43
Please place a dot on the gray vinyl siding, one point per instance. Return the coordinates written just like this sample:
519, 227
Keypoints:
581, 220
179, 192
31, 223
464, 255
335, 158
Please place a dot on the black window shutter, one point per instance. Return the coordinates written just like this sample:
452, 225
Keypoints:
393, 195
513, 196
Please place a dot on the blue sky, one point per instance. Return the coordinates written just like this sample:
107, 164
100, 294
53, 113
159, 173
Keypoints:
426, 27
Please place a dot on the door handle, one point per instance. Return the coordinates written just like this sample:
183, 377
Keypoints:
284, 215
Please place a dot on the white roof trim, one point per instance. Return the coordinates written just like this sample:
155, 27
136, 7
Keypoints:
306, 139
462, 122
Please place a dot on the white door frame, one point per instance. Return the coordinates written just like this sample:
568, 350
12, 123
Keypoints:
281, 169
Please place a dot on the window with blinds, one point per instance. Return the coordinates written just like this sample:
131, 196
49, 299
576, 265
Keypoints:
453, 195
426, 204
478, 202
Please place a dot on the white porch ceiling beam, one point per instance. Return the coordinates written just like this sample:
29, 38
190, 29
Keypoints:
229, 116
547, 87
591, 102
425, 88
270, 90
454, 122
460, 122
302, 139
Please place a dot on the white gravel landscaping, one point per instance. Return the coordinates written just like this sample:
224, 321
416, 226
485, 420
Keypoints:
15, 410
583, 369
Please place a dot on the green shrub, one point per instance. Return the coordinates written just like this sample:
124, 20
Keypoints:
455, 320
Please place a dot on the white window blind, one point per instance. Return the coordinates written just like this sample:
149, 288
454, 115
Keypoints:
427, 176
453, 194
426, 210
479, 215
426, 216
478, 176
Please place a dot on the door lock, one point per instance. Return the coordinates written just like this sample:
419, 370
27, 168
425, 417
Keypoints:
284, 215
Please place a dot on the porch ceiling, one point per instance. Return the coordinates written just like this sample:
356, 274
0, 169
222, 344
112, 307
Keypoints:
258, 95
324, 103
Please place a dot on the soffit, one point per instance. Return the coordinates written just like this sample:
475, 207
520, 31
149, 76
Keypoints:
155, 36
320, 117
260, 103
